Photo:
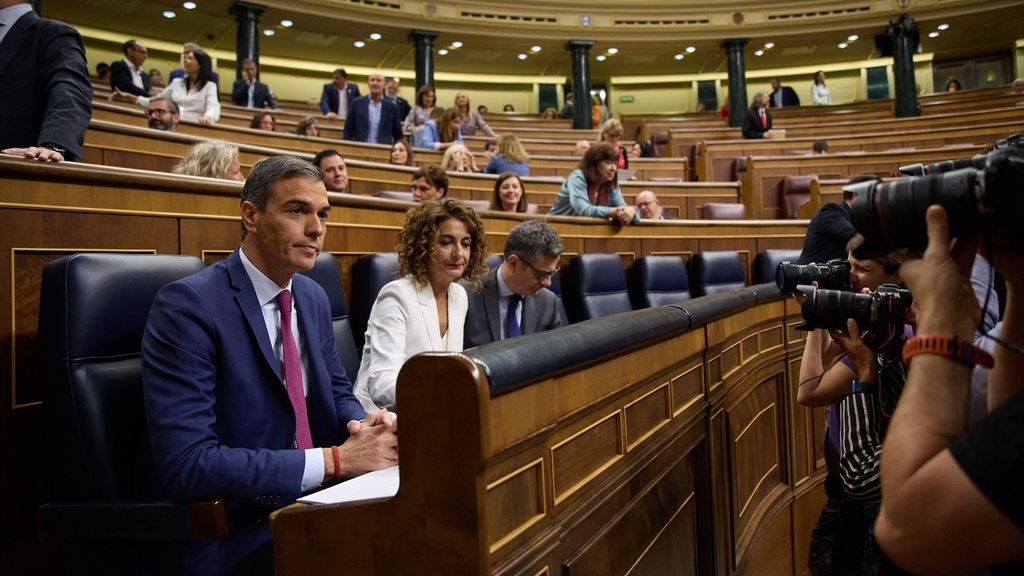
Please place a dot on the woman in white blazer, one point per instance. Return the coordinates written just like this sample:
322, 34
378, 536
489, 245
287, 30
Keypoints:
425, 309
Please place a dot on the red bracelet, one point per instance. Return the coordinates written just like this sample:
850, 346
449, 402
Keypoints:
337, 462
950, 347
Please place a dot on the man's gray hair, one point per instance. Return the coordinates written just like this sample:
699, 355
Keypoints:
532, 239
270, 171
171, 106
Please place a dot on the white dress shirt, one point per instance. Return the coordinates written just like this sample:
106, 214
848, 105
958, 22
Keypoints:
193, 104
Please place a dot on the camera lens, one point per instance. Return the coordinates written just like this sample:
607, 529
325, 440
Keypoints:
829, 309
834, 274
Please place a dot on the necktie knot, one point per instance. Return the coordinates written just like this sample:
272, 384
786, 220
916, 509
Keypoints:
284, 301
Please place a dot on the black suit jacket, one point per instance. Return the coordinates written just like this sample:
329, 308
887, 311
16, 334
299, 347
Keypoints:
789, 97
261, 97
752, 129
827, 234
329, 97
44, 86
403, 107
121, 78
483, 320
357, 125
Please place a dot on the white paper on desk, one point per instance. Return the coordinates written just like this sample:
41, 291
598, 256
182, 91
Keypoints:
376, 485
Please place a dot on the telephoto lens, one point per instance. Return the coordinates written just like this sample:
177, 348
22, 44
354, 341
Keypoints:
881, 313
834, 274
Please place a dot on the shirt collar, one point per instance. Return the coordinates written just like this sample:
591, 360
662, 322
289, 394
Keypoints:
266, 289
503, 290
8, 16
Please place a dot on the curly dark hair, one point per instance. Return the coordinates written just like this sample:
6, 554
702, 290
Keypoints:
415, 245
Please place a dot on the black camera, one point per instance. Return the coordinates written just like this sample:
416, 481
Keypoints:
890, 215
834, 274
880, 313
977, 162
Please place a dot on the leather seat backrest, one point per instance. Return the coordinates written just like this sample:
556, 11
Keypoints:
369, 274
723, 211
658, 281
325, 272
595, 286
767, 262
93, 310
796, 191
715, 272
478, 204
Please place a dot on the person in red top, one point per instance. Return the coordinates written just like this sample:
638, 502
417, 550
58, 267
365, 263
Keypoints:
611, 132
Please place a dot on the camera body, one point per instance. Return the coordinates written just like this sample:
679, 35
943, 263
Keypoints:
881, 314
834, 274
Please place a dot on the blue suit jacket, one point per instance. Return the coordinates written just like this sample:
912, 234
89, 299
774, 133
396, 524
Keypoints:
121, 78
261, 97
329, 97
357, 125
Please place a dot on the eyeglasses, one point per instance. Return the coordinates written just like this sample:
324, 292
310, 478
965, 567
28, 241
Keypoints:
540, 274
158, 111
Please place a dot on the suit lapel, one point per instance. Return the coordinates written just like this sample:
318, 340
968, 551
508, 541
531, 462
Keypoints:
20, 33
428, 311
492, 305
529, 322
246, 297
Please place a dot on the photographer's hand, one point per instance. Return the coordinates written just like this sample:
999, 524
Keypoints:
862, 357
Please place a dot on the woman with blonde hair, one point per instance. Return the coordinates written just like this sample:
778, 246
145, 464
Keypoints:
511, 156
212, 159
611, 132
441, 243
469, 119
458, 158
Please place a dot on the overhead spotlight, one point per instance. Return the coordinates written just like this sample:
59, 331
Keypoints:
853, 38
679, 56
375, 36
359, 43
612, 50
535, 49
943, 27
933, 34
759, 53
691, 49
169, 14
442, 52
456, 44
189, 5
769, 45
287, 23
522, 56
268, 32
843, 45
601, 58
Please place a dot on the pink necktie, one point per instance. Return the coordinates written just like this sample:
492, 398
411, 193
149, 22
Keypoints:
764, 119
293, 373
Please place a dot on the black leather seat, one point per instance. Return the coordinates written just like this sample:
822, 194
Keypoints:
369, 274
326, 274
767, 262
92, 315
595, 286
715, 272
658, 281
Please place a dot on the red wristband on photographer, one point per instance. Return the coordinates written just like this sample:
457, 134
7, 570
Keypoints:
950, 347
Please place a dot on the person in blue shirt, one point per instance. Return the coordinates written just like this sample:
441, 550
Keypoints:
511, 157
593, 188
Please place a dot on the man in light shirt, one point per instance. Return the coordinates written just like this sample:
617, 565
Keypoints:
332, 104
127, 75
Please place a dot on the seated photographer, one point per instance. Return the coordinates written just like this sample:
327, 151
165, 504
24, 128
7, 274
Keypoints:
952, 497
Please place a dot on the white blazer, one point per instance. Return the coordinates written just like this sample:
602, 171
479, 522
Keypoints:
403, 323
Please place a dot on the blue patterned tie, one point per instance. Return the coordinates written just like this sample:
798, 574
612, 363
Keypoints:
511, 320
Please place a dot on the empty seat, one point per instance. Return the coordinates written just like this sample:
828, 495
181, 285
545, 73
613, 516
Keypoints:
325, 273
715, 272
796, 191
723, 211
739, 166
478, 204
595, 286
369, 274
768, 261
494, 260
657, 281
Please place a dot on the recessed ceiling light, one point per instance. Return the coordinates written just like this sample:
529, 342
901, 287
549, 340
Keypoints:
612, 50
375, 36
759, 53
287, 23
852, 38
456, 44
189, 5
843, 44
535, 49
442, 52
933, 34
522, 56
268, 32
769, 45
601, 58
359, 43
169, 14
679, 56
691, 49
943, 26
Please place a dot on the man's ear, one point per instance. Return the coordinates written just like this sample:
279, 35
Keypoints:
249, 216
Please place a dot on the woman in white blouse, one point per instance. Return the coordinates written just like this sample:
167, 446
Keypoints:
195, 94
819, 91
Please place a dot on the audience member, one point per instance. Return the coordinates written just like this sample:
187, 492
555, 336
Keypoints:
819, 147
127, 74
470, 120
156, 79
643, 149
830, 228
611, 132
45, 91
103, 71
181, 73
212, 159
429, 183
511, 156
953, 85
1017, 86
782, 95
373, 118
458, 158
424, 310
218, 352
648, 207
308, 127
490, 149
550, 114
332, 164
509, 193
162, 114
332, 104
509, 108
441, 134
566, 112
723, 112
248, 91
592, 189
514, 299
401, 154
423, 111
391, 93
952, 493
599, 113
195, 94
820, 94
264, 121
757, 123
581, 148
481, 109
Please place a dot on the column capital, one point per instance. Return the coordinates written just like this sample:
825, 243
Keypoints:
238, 8
733, 43
576, 45
423, 35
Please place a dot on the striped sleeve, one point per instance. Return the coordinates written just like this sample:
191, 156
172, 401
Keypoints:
861, 447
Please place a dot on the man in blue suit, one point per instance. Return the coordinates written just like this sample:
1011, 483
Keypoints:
248, 91
127, 75
373, 118
226, 418
330, 98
